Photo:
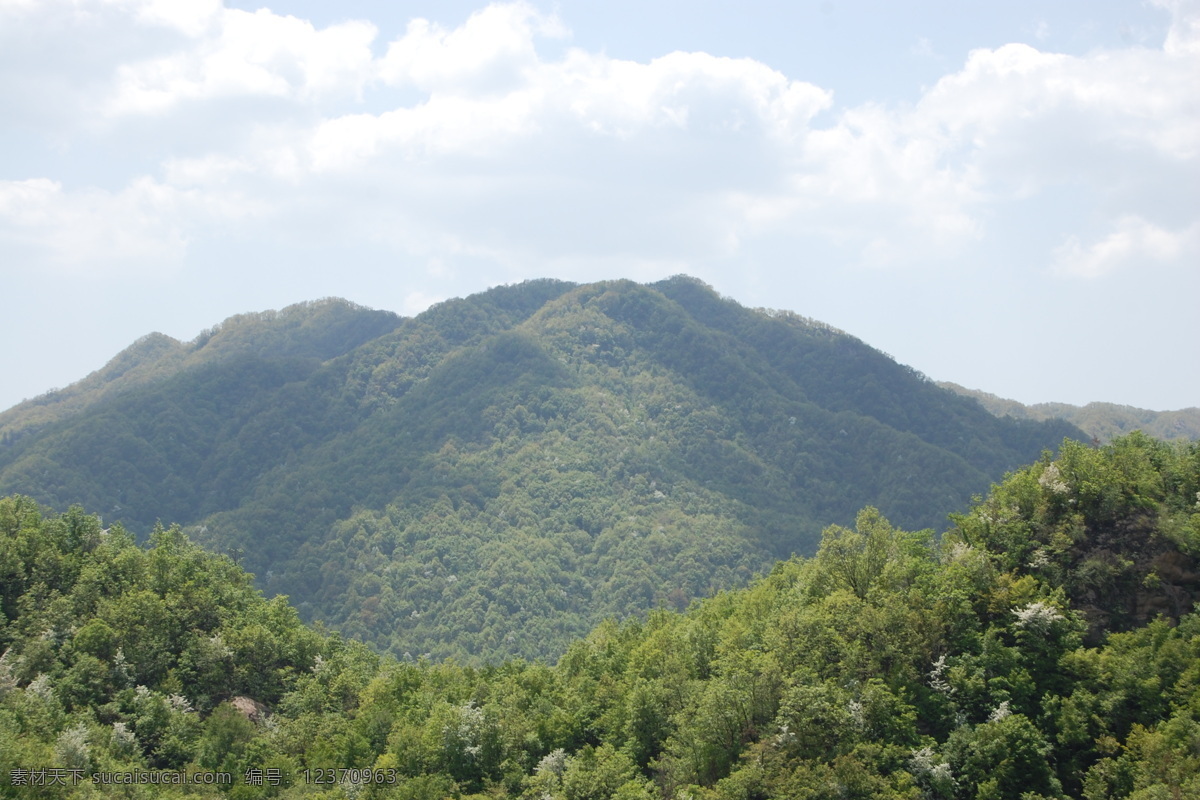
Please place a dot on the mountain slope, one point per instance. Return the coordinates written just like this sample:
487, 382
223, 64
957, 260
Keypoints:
497, 474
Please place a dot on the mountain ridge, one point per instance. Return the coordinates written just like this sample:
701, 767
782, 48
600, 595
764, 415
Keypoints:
1102, 421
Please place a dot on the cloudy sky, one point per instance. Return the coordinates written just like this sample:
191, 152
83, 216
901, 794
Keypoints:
1005, 195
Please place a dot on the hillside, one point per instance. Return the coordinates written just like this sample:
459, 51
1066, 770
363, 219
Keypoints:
1101, 421
498, 474
890, 665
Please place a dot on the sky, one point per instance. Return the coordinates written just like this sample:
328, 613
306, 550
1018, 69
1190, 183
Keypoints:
1003, 195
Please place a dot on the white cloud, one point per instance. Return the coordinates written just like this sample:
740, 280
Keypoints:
491, 52
132, 231
442, 126
1012, 123
251, 54
508, 155
1133, 243
1184, 36
1016, 102
190, 17
704, 95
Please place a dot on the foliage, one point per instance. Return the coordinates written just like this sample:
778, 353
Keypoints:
893, 664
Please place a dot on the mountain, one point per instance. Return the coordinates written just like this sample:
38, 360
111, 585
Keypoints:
499, 473
1102, 421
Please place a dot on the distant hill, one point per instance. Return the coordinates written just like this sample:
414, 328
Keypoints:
1102, 421
501, 472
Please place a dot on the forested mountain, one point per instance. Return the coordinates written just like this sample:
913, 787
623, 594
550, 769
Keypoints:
1044, 647
1102, 421
501, 472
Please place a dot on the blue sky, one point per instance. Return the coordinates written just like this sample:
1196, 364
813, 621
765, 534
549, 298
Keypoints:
1002, 195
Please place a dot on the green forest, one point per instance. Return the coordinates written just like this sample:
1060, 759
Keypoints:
496, 476
1043, 645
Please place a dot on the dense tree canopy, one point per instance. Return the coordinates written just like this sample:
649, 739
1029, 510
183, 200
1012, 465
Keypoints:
994, 661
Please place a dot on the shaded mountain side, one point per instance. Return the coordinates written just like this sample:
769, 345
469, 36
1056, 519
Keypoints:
495, 475
1102, 421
